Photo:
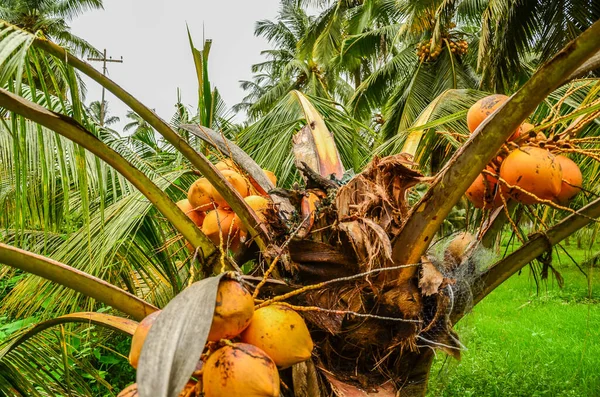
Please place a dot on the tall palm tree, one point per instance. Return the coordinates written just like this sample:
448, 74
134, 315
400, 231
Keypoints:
51, 18
288, 67
373, 44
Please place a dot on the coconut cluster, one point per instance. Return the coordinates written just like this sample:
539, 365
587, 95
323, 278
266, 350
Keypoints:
210, 212
245, 348
525, 171
427, 54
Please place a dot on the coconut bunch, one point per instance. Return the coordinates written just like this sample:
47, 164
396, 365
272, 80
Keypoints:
528, 169
210, 212
426, 53
245, 349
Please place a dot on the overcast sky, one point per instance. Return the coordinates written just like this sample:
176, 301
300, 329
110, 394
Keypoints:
151, 36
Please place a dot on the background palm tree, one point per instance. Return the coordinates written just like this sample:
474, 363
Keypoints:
288, 66
372, 44
100, 117
51, 18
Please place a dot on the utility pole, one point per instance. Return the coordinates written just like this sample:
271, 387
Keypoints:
104, 61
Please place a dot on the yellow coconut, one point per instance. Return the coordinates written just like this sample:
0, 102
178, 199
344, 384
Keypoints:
533, 170
572, 179
199, 195
259, 204
129, 391
281, 333
221, 223
139, 337
233, 311
240, 370
271, 177
132, 390
256, 189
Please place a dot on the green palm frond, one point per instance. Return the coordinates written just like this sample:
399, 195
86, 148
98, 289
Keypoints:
374, 90
562, 21
508, 32
102, 250
436, 128
49, 19
58, 362
13, 53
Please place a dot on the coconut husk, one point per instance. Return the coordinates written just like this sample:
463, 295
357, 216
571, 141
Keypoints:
359, 339
315, 261
306, 380
342, 297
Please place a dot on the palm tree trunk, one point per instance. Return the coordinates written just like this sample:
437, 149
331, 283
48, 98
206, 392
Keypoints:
418, 378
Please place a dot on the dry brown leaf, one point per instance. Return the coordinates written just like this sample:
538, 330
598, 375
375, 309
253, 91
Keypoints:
382, 236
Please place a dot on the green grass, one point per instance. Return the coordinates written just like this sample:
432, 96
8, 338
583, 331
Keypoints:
521, 343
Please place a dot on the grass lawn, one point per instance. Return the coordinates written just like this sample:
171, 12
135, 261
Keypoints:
521, 343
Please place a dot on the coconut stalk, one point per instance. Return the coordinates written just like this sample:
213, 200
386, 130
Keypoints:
76, 280
536, 246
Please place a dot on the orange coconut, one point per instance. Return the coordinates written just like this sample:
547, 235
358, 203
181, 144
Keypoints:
129, 391
221, 223
534, 170
240, 370
281, 333
482, 109
139, 336
238, 182
572, 180
196, 216
256, 189
522, 130
482, 192
233, 311
199, 195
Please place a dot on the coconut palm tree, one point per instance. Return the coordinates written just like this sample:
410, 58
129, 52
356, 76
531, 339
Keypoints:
288, 67
372, 43
101, 115
355, 242
51, 19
